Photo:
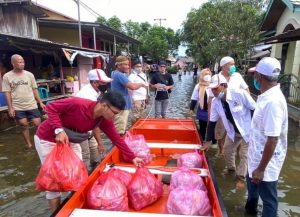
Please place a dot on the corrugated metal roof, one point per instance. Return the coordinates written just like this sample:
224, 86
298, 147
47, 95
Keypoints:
38, 43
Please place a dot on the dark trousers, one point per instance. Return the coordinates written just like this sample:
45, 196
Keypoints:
267, 191
202, 129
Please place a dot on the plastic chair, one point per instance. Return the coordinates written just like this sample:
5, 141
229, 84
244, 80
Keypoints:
43, 92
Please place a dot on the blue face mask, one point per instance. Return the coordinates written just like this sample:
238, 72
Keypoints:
256, 84
232, 69
221, 94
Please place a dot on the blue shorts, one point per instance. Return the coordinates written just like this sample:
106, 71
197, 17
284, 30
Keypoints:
29, 114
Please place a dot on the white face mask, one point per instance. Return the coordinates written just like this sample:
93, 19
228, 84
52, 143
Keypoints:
207, 77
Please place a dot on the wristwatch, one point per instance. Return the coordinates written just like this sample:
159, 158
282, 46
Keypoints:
58, 131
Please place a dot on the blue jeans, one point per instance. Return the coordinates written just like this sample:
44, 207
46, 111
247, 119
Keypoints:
161, 107
268, 193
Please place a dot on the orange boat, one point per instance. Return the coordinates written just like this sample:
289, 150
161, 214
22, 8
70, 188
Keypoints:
165, 137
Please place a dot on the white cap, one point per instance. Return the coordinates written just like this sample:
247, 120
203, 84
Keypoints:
226, 60
267, 66
98, 75
217, 80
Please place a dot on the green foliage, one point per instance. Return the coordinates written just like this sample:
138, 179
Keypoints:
172, 69
115, 23
222, 27
157, 42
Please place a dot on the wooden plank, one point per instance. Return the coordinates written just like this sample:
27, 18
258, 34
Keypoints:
159, 170
102, 213
174, 145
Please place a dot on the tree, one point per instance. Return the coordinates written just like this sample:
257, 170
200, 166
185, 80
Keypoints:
101, 20
222, 27
115, 23
156, 42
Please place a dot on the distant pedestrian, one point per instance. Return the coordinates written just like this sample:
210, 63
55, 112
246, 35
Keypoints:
268, 139
22, 97
163, 84
139, 96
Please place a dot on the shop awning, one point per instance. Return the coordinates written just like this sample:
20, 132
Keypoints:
292, 35
70, 54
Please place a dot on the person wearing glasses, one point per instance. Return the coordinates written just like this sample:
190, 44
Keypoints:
80, 115
163, 83
93, 148
233, 107
121, 84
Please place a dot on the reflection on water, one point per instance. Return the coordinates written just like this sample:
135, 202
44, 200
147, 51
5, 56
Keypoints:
18, 169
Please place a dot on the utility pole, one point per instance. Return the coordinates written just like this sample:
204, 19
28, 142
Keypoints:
160, 19
79, 23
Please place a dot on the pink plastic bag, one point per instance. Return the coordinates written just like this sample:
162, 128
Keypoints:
62, 171
185, 177
144, 189
123, 176
188, 201
138, 146
112, 195
190, 160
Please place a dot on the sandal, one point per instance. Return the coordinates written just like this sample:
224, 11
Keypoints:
29, 149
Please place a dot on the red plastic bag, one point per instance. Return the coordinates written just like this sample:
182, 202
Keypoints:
137, 144
185, 177
144, 189
112, 195
62, 171
188, 201
190, 160
123, 176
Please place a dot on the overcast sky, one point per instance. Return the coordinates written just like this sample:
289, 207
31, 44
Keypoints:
174, 11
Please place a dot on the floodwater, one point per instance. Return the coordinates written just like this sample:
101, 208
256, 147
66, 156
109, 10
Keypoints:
18, 169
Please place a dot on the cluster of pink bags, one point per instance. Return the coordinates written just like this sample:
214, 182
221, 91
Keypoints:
186, 178
188, 201
62, 171
188, 194
138, 146
121, 175
190, 160
109, 192
112, 195
144, 189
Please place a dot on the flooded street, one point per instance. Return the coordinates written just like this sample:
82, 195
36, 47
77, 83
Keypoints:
18, 169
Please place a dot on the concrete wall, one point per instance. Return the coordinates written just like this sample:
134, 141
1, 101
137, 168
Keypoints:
60, 35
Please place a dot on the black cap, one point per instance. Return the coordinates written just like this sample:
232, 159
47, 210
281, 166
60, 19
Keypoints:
135, 62
162, 62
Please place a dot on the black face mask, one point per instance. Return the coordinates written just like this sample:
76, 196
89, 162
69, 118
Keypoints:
102, 88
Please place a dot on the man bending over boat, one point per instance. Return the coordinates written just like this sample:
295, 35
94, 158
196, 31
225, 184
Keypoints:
79, 115
233, 107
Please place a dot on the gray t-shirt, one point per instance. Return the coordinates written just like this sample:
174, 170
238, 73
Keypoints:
21, 86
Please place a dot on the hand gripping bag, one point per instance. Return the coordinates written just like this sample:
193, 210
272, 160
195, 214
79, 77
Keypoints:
188, 201
137, 144
112, 195
185, 177
144, 189
62, 171
190, 160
